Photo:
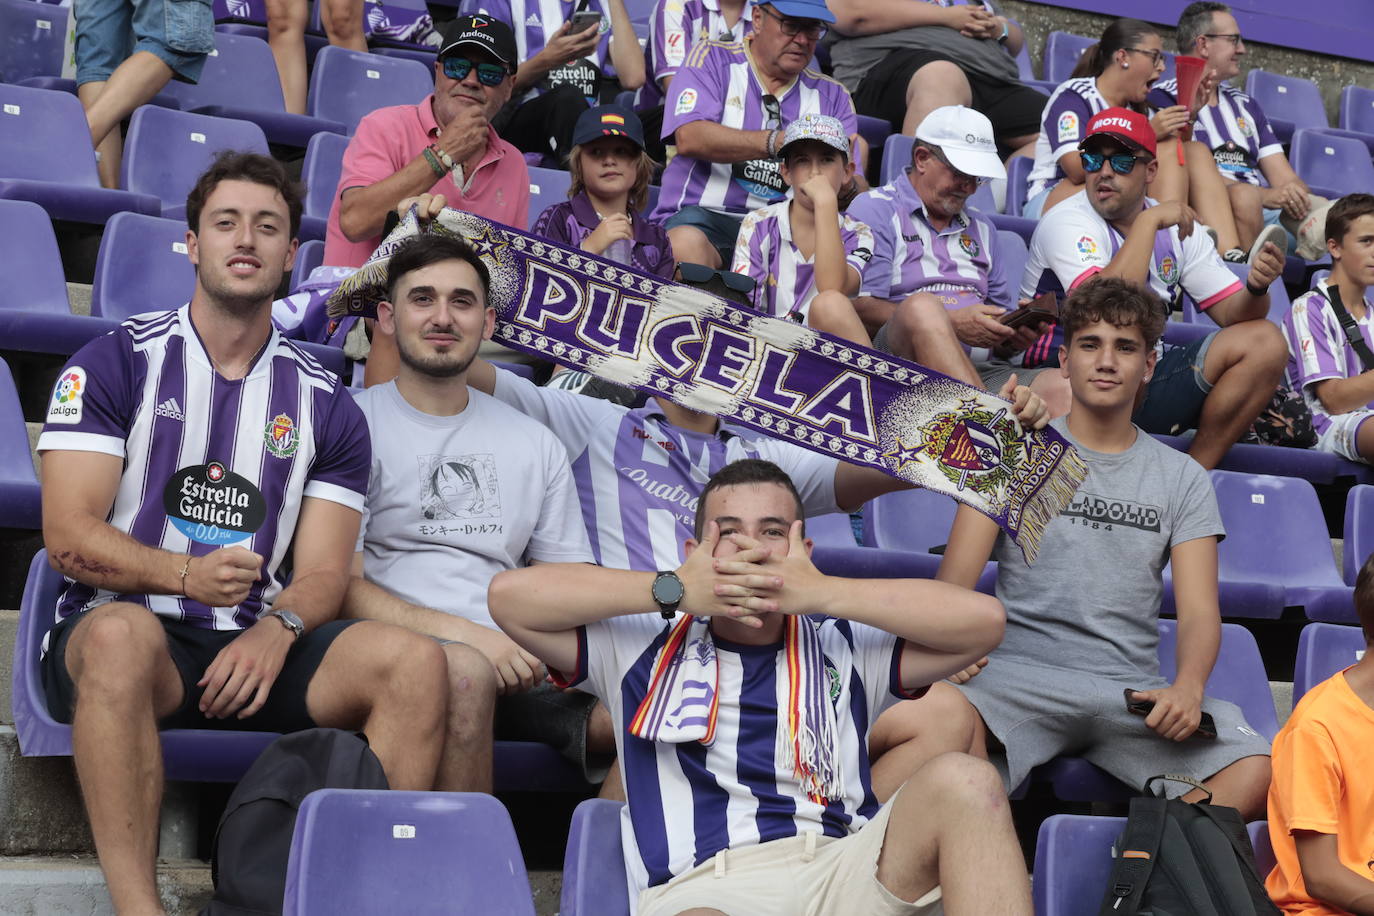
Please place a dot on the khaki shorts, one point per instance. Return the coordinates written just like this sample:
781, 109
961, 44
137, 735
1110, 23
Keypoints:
808, 874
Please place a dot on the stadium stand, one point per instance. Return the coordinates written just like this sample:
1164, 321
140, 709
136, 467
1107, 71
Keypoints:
1018, 170
142, 261
1356, 113
1358, 530
31, 38
1289, 102
309, 256
547, 187
1332, 166
370, 851
833, 530
1324, 649
320, 172
909, 520
345, 85
594, 864
20, 502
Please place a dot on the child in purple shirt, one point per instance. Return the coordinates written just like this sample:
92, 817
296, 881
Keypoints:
610, 179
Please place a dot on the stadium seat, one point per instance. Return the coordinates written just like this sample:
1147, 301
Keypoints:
1276, 535
1358, 530
1307, 463
320, 172
46, 157
380, 851
166, 151
1018, 171
1356, 114
1018, 224
594, 862
641, 15
1264, 849
346, 85
1279, 303
1332, 166
141, 267
1289, 102
1062, 51
240, 81
1015, 253
1324, 649
35, 315
917, 520
309, 256
835, 529
20, 502
423, 56
873, 563
1073, 860
896, 156
547, 187
875, 132
31, 39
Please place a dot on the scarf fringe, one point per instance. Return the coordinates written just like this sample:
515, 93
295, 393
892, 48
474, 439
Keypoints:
1048, 501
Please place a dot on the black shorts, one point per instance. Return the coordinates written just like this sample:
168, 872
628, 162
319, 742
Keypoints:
1013, 108
192, 650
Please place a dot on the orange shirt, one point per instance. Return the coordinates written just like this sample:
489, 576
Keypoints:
1323, 782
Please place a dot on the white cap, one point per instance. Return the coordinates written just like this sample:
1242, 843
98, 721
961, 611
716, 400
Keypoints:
965, 137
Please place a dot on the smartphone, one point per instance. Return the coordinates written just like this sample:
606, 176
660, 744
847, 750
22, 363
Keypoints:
1043, 308
1207, 728
581, 21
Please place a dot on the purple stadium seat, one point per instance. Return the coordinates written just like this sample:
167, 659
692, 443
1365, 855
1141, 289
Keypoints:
346, 85
1324, 649
896, 156
142, 267
165, 151
594, 863
1016, 254
35, 315
1018, 224
1073, 860
240, 81
1062, 51
313, 43
1309, 464
424, 56
380, 851
1289, 102
46, 157
1181, 333
916, 520
1264, 849
1359, 530
1279, 303
1276, 535
309, 256
1045, 86
1018, 170
875, 132
872, 563
1356, 115
20, 503
320, 172
835, 529
547, 187
1332, 166
31, 38
1023, 62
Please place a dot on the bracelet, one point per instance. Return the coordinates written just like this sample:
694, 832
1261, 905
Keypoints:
184, 571
1262, 291
444, 158
435, 165
769, 143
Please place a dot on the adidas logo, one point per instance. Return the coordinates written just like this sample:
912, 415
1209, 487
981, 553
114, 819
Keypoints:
171, 410
533, 20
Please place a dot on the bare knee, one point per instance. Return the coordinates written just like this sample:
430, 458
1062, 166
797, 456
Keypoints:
471, 684
958, 782
344, 19
1261, 345
943, 718
408, 667
938, 83
923, 315
690, 244
117, 645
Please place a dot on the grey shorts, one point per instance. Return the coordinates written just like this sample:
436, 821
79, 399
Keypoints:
1039, 713
995, 373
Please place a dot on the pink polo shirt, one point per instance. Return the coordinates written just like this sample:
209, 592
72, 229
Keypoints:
498, 189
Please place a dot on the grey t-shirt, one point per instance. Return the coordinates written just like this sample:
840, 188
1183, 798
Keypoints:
1091, 600
852, 58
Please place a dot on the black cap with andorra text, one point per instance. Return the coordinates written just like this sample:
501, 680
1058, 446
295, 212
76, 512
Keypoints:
491, 35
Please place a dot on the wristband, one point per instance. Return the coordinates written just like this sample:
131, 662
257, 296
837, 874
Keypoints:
435, 165
1262, 291
184, 570
444, 158
1006, 30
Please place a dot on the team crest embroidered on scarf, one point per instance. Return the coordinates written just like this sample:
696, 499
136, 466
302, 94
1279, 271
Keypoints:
783, 379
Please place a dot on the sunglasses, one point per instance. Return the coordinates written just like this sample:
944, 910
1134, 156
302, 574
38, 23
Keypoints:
809, 28
697, 274
458, 68
1122, 163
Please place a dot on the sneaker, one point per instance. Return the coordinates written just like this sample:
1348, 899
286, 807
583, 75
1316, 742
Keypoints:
1275, 234
1235, 256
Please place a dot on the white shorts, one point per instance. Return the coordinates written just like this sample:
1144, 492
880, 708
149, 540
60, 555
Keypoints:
805, 875
1339, 438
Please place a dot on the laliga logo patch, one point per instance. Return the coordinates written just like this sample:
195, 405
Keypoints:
686, 102
1087, 247
281, 436
968, 244
1068, 126
212, 505
67, 397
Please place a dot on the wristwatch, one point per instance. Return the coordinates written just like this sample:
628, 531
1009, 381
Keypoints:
667, 591
290, 621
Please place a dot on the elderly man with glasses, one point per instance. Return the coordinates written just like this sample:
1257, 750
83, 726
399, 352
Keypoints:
1217, 384
726, 111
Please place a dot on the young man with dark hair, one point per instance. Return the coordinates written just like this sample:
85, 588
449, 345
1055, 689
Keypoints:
184, 455
492, 491
1331, 373
1321, 803
1081, 623
742, 723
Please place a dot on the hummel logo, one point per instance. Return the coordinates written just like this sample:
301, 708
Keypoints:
171, 410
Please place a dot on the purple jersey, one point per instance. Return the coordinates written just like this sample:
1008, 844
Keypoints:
962, 263
639, 477
718, 82
1062, 127
535, 21
207, 461
1234, 129
675, 28
571, 221
1318, 349
784, 281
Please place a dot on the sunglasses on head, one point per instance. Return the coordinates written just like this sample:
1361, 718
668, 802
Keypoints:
458, 68
1122, 163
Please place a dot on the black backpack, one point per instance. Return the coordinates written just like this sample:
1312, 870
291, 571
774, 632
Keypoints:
253, 840
1176, 858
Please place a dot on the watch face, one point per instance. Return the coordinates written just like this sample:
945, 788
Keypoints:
667, 589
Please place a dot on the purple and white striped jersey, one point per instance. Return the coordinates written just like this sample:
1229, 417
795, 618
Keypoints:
784, 281
962, 263
1318, 350
1062, 126
205, 458
687, 801
639, 477
1234, 129
718, 82
674, 29
534, 21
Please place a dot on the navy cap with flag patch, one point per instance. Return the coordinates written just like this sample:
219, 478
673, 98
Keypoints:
491, 35
608, 121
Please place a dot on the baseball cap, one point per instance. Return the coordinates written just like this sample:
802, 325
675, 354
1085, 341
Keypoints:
491, 35
608, 121
822, 128
1130, 128
803, 9
965, 137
